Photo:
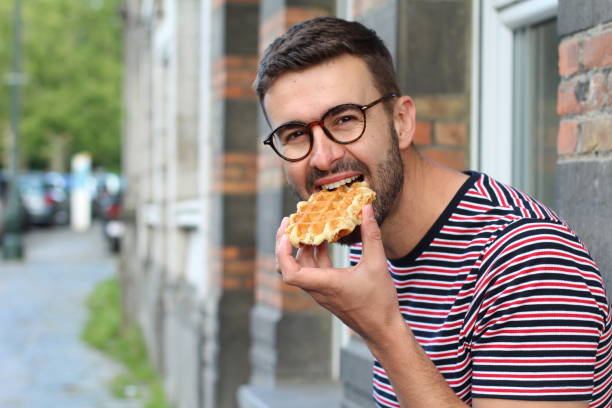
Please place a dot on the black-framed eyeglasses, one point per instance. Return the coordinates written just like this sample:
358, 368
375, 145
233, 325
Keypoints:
343, 124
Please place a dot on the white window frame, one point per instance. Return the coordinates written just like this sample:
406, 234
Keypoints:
494, 22
340, 253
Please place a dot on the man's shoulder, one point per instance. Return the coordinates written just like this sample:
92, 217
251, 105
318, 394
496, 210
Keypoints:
492, 197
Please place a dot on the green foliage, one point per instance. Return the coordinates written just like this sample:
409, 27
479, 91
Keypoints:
72, 56
105, 331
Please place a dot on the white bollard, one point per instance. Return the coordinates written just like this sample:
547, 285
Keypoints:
80, 196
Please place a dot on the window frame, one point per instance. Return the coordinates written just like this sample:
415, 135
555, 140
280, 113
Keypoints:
494, 23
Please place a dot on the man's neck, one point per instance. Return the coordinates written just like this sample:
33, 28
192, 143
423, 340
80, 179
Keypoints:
428, 189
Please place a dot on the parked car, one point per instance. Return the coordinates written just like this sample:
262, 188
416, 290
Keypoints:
112, 225
45, 198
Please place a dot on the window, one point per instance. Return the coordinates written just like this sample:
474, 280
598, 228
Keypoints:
514, 87
535, 122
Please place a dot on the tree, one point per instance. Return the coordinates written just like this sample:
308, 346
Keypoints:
72, 100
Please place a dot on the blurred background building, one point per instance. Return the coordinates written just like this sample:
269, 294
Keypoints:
519, 89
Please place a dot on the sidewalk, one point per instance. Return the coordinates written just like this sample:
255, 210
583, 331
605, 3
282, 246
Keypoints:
43, 361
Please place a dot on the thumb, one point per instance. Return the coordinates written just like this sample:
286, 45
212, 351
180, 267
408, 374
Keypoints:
371, 235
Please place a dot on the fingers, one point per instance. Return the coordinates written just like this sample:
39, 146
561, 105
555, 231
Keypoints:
305, 269
280, 233
281, 228
293, 272
322, 256
371, 235
285, 262
305, 256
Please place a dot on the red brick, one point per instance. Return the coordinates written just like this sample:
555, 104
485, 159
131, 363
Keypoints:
239, 268
568, 137
441, 107
278, 23
294, 15
454, 158
231, 283
271, 290
566, 98
568, 57
597, 51
422, 133
239, 173
267, 289
451, 134
295, 299
233, 77
230, 252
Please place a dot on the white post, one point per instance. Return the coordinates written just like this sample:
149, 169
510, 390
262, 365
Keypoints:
80, 197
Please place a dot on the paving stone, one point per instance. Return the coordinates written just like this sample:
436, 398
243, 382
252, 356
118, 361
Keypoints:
44, 362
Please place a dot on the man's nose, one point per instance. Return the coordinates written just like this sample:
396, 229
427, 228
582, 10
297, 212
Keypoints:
325, 152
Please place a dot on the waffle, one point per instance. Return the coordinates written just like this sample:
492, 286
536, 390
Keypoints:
328, 215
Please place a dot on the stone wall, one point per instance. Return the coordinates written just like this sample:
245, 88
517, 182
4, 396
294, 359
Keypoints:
584, 104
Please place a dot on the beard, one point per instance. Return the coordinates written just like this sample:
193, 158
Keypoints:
387, 182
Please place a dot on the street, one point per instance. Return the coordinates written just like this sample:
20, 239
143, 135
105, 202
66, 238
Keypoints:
44, 362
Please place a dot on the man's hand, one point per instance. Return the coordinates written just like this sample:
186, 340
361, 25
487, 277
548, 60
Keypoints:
362, 296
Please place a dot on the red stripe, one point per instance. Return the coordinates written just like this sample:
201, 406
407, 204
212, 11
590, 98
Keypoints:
500, 195
535, 391
386, 401
551, 330
534, 360
529, 376
476, 207
532, 346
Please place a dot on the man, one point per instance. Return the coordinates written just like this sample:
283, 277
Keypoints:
465, 290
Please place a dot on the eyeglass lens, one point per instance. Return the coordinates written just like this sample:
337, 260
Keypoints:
344, 123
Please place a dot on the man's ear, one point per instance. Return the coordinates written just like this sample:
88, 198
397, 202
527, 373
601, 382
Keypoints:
404, 120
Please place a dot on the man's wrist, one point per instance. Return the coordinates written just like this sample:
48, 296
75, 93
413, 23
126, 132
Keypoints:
390, 336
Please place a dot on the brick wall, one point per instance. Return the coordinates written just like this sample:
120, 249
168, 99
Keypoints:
585, 92
291, 334
584, 144
433, 67
233, 186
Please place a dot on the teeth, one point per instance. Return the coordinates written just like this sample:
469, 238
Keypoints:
339, 183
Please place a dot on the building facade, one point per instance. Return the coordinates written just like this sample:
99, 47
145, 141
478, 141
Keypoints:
519, 89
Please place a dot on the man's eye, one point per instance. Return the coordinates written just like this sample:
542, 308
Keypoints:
293, 137
344, 120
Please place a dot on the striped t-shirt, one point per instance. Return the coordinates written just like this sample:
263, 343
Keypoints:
506, 301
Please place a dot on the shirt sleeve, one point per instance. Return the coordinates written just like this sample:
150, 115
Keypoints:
543, 319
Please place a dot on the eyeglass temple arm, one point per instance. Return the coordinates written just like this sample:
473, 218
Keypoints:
387, 96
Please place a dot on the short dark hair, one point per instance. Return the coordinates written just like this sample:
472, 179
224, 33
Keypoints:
314, 41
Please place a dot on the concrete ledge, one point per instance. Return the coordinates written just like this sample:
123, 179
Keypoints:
290, 396
356, 374
584, 194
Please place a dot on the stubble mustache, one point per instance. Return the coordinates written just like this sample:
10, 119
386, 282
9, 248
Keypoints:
343, 166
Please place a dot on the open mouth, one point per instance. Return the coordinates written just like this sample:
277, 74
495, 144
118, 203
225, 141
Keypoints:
347, 181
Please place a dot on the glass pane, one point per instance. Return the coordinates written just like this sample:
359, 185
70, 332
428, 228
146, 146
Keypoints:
535, 122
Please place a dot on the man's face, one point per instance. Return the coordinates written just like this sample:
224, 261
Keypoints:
304, 97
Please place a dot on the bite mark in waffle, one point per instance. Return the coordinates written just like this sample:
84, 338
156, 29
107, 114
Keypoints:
329, 215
